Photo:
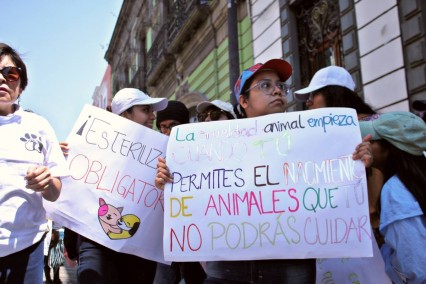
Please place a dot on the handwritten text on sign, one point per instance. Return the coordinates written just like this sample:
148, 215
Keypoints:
278, 186
110, 196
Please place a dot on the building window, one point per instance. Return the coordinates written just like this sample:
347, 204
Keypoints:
134, 51
148, 39
319, 35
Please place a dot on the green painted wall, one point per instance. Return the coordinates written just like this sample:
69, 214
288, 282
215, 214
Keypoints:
148, 39
245, 44
211, 77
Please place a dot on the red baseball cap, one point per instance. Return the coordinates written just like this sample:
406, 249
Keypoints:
282, 67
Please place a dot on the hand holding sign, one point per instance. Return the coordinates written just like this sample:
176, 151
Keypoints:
260, 188
111, 197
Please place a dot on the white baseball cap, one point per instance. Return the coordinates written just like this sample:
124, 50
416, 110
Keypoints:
328, 76
128, 97
225, 106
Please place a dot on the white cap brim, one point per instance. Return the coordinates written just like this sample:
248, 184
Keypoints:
128, 97
157, 103
327, 76
204, 105
302, 95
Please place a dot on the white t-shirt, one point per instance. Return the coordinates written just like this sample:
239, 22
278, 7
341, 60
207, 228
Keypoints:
26, 139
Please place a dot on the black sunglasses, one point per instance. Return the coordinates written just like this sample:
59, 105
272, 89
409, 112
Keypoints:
214, 115
10, 73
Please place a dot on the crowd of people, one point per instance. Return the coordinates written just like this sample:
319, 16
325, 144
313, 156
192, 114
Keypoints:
32, 163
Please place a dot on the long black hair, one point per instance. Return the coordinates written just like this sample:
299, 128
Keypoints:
410, 169
338, 96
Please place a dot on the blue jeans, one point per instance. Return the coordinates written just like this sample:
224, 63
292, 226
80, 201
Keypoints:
98, 264
293, 271
23, 267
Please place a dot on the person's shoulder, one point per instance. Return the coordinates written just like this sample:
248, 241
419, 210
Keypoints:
397, 202
396, 191
34, 118
30, 114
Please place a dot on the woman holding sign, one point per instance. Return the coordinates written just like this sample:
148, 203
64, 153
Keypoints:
333, 86
31, 167
261, 90
99, 264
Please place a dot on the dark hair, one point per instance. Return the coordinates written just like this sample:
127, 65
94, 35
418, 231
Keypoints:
175, 110
239, 111
410, 169
6, 50
228, 114
338, 96
129, 110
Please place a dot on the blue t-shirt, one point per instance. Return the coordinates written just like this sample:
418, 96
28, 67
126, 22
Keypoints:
403, 225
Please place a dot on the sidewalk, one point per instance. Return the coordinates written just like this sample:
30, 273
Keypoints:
68, 275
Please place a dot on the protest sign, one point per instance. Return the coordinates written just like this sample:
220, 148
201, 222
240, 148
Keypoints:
271, 187
110, 196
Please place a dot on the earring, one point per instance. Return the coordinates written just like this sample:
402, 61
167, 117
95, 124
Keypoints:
240, 111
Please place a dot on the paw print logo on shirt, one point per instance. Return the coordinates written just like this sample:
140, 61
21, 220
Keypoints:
32, 142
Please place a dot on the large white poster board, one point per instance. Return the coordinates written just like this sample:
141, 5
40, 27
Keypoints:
272, 187
110, 196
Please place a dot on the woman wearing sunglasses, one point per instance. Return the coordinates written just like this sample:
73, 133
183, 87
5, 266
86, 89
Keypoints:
215, 110
31, 165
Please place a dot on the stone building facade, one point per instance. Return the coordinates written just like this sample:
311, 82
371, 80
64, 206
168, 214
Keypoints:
179, 49
176, 49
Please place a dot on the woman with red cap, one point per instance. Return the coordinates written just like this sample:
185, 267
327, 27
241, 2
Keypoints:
261, 90
399, 144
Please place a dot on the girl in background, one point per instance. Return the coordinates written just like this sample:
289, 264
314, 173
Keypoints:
398, 144
333, 86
